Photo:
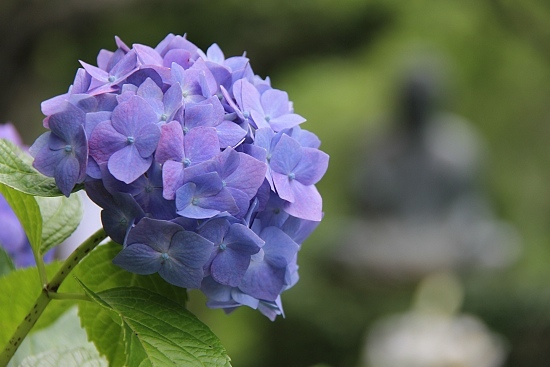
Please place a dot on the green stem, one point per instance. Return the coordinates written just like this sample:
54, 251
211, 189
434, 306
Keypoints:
41, 268
69, 296
49, 292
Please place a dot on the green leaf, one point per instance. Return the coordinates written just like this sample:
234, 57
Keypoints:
60, 216
159, 332
6, 264
17, 172
65, 334
98, 272
66, 357
27, 210
18, 292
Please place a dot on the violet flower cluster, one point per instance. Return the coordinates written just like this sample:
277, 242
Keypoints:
12, 235
201, 167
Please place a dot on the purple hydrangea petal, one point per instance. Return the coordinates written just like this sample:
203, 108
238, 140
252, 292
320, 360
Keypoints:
286, 155
105, 140
308, 206
172, 178
312, 166
147, 55
147, 139
170, 145
127, 164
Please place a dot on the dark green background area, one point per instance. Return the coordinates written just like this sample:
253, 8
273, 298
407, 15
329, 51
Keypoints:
341, 62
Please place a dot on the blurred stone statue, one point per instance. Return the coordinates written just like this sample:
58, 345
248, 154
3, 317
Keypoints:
420, 202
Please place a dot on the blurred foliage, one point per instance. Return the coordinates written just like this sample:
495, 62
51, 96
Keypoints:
341, 62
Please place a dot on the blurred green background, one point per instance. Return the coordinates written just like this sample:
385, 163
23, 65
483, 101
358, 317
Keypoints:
341, 63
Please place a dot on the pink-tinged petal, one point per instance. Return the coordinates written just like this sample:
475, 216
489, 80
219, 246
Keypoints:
283, 186
170, 146
201, 144
54, 105
128, 117
147, 55
127, 165
147, 140
179, 57
286, 121
312, 167
105, 140
308, 204
249, 176
172, 179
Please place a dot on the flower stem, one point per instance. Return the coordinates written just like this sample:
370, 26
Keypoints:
49, 292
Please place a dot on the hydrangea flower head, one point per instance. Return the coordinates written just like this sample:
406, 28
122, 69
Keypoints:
202, 169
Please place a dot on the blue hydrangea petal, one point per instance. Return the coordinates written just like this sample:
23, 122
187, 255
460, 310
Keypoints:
138, 258
215, 230
263, 281
156, 234
180, 275
279, 249
242, 239
229, 266
67, 173
190, 249
67, 123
